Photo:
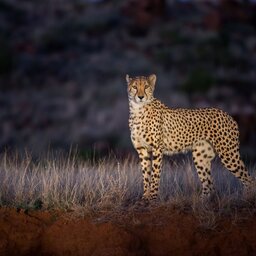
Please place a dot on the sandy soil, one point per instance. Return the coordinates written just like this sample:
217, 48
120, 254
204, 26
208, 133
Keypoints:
158, 232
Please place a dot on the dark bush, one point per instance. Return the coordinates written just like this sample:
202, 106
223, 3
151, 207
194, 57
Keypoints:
199, 80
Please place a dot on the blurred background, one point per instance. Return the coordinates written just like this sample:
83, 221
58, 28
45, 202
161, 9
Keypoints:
63, 65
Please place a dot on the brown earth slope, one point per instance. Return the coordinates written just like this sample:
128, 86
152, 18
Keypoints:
156, 232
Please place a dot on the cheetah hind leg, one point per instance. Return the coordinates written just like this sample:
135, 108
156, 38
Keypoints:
203, 153
233, 163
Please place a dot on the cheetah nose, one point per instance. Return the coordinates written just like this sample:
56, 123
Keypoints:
141, 97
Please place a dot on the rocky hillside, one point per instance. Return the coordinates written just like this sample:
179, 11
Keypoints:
63, 63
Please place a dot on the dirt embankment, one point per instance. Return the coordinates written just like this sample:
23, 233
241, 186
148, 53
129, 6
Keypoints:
158, 232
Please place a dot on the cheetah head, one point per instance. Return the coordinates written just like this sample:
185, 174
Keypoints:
141, 88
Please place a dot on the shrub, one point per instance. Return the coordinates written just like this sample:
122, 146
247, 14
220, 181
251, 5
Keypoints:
199, 80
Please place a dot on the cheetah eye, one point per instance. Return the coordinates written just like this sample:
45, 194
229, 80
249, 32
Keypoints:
134, 87
146, 86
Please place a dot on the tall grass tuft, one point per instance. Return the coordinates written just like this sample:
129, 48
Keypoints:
65, 182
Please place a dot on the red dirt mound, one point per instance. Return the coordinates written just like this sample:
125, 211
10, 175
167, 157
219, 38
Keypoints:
158, 232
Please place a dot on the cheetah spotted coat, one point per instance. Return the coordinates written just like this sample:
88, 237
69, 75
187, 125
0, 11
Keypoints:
157, 130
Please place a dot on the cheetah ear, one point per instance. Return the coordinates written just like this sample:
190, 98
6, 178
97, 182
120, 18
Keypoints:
152, 80
128, 79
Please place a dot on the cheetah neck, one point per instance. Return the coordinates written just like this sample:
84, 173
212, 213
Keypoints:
137, 107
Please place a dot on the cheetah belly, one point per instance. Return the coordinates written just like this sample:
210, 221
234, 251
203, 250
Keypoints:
172, 151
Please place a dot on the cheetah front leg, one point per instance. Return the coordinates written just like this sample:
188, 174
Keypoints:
145, 160
157, 157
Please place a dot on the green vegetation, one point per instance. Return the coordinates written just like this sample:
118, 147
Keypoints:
173, 37
199, 80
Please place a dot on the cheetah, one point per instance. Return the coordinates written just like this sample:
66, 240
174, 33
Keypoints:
157, 130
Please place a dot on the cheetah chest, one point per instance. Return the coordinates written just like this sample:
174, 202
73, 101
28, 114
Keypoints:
144, 129
141, 134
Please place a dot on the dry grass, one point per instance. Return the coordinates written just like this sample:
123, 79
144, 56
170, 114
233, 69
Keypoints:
64, 182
